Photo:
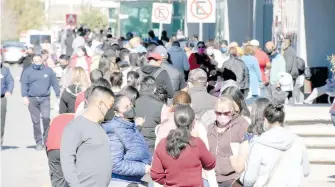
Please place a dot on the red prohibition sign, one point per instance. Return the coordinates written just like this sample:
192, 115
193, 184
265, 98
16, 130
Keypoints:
162, 13
198, 6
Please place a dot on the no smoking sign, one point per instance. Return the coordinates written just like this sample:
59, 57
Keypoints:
161, 13
201, 11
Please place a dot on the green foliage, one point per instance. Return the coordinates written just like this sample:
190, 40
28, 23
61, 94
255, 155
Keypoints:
26, 14
92, 17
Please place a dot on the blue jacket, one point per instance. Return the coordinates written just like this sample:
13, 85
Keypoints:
255, 75
37, 83
129, 160
7, 82
278, 65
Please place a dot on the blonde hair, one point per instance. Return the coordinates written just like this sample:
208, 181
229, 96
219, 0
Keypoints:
248, 50
240, 51
134, 41
224, 102
114, 67
79, 77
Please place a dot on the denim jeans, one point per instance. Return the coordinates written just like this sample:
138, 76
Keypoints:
39, 106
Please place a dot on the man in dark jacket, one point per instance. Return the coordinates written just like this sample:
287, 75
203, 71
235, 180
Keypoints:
69, 41
240, 70
7, 85
154, 69
27, 60
149, 107
36, 81
177, 77
289, 55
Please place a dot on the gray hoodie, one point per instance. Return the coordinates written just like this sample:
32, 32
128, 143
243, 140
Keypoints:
277, 146
179, 58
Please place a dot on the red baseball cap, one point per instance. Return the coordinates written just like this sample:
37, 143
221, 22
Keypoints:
155, 56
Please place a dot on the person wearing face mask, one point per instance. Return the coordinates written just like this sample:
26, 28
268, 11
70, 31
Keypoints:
200, 58
81, 59
278, 64
66, 74
277, 157
85, 151
130, 153
224, 52
35, 89
229, 127
7, 86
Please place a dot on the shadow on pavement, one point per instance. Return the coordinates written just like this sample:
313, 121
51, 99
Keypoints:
31, 147
8, 147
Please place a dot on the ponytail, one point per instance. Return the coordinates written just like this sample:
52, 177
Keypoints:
275, 113
178, 139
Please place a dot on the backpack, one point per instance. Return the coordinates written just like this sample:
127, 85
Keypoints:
300, 66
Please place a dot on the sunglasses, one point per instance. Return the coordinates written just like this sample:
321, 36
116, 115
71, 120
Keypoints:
202, 47
223, 113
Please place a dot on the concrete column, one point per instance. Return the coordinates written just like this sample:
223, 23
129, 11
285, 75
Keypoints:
301, 38
226, 22
254, 23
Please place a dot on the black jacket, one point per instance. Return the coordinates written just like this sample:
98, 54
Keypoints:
26, 61
68, 99
161, 78
149, 107
240, 70
289, 56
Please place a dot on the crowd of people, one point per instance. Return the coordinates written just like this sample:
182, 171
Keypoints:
153, 112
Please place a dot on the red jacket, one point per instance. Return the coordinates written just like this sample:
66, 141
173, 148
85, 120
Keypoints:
168, 171
57, 126
80, 98
88, 61
193, 60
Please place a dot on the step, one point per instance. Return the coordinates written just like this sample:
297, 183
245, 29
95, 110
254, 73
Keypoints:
314, 112
321, 156
320, 142
318, 130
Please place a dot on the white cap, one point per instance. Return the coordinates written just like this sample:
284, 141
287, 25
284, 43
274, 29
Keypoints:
286, 82
254, 43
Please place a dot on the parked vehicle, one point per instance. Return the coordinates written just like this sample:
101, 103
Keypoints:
13, 51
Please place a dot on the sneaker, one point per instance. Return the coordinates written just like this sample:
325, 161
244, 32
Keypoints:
39, 147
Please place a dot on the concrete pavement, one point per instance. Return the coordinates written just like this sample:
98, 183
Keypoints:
22, 165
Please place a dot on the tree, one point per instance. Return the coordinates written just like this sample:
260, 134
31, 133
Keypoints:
25, 14
92, 17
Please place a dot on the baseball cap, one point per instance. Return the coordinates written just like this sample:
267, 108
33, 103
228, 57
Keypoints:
154, 56
254, 43
197, 75
161, 51
286, 82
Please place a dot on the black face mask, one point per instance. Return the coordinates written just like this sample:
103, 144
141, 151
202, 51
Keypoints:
268, 52
130, 114
109, 115
63, 66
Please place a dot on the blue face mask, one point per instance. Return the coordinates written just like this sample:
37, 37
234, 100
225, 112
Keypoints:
223, 49
37, 67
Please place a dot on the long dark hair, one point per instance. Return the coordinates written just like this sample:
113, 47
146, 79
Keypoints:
257, 116
238, 98
179, 138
